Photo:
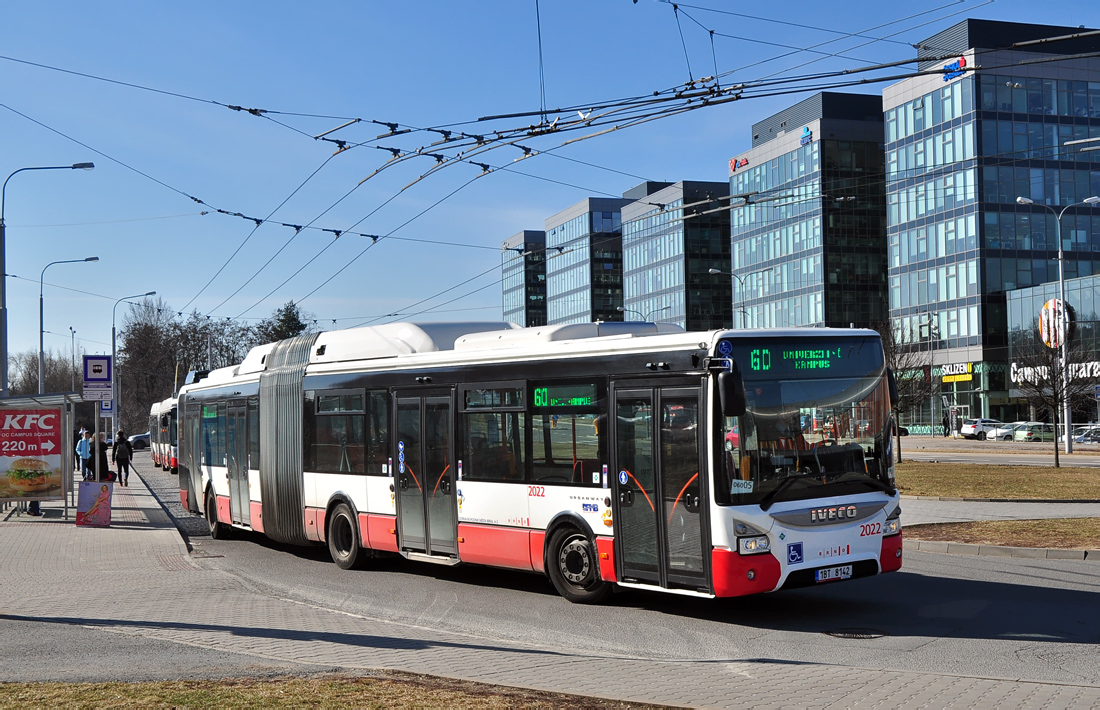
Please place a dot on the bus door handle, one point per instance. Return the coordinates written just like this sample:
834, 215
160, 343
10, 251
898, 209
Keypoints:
445, 486
403, 481
691, 503
626, 497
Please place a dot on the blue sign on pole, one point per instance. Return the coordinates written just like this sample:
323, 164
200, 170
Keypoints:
98, 374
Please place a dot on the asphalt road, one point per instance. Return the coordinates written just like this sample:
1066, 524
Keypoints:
990, 617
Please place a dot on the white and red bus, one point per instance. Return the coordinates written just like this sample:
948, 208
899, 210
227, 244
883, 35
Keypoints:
599, 454
163, 429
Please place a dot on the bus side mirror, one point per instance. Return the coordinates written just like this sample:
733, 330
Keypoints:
731, 392
164, 421
893, 383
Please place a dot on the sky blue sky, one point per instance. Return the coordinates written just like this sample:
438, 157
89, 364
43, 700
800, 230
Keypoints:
414, 63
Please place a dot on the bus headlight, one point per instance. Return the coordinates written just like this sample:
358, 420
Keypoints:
891, 527
753, 545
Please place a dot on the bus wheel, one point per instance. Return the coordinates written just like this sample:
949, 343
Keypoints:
572, 567
343, 539
218, 531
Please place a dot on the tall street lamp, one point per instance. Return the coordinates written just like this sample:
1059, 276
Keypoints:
740, 290
646, 316
41, 326
72, 334
1061, 326
4, 271
115, 408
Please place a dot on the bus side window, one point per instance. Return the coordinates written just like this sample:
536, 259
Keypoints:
494, 446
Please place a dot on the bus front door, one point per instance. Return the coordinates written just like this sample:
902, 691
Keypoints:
659, 500
236, 453
424, 480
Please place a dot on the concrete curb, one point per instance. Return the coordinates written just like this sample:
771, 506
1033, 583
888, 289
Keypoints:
1038, 553
1003, 500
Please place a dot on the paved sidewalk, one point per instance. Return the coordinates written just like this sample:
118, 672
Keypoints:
150, 590
920, 511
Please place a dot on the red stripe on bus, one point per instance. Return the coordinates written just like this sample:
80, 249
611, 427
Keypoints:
183, 499
378, 532
538, 540
256, 515
730, 573
890, 559
223, 509
496, 546
313, 529
606, 546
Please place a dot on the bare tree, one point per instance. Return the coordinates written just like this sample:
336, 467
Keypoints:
912, 370
147, 360
1038, 373
59, 371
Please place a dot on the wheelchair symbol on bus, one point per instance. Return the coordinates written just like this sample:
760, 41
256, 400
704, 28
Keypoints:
794, 553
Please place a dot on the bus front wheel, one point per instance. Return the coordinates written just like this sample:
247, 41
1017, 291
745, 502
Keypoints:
343, 540
572, 566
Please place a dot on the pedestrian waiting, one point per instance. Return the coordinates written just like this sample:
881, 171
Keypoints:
84, 453
122, 453
99, 453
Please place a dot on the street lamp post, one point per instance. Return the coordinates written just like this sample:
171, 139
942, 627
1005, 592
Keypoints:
72, 335
1062, 327
4, 270
115, 406
646, 316
740, 290
41, 323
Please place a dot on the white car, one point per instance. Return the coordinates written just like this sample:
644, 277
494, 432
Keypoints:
1005, 432
979, 428
1080, 432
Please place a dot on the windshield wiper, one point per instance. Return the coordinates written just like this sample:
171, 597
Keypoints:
872, 482
767, 501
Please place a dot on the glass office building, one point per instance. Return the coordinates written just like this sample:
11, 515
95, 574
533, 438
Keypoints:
672, 236
584, 262
961, 146
523, 272
809, 237
1024, 304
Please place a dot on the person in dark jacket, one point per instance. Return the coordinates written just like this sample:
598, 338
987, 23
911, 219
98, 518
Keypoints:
121, 453
99, 452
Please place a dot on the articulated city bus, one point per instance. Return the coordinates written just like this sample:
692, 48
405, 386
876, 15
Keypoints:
710, 464
163, 429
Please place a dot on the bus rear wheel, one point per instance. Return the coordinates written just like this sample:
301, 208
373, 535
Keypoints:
218, 531
343, 539
572, 567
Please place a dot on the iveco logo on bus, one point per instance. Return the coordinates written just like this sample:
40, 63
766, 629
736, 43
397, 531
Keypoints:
825, 515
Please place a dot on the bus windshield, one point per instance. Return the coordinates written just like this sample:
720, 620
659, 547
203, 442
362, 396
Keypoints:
808, 438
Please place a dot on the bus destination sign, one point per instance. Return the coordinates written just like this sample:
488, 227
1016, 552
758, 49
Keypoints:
803, 357
564, 396
760, 359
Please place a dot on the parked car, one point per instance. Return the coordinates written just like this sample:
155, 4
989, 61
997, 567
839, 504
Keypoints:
1079, 432
1082, 434
1093, 437
140, 441
1035, 432
1005, 431
979, 428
